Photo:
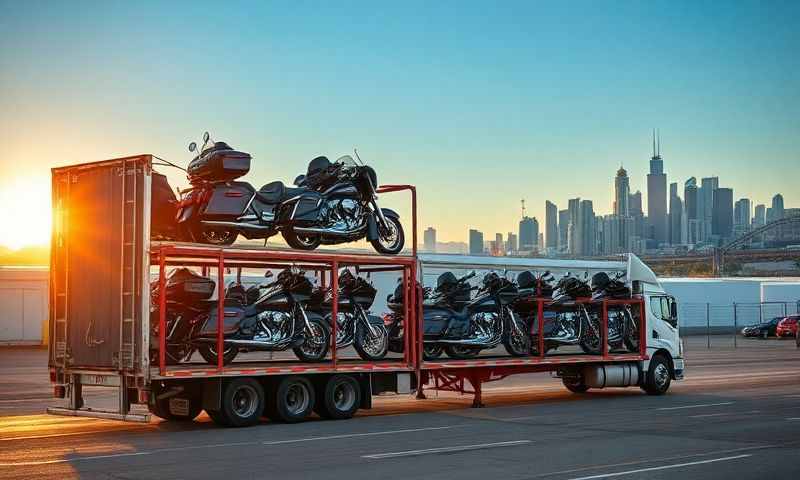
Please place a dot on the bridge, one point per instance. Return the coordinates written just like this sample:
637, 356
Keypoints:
719, 253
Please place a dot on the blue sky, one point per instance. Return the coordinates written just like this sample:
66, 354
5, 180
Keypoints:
478, 104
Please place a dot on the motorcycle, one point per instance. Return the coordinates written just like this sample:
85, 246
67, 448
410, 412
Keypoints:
354, 325
566, 322
622, 329
462, 327
333, 203
274, 320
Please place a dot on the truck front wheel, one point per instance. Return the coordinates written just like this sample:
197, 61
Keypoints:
658, 376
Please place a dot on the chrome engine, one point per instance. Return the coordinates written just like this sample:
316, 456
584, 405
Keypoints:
343, 214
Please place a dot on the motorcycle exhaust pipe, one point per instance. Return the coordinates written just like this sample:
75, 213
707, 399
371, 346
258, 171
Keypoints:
322, 231
247, 343
238, 226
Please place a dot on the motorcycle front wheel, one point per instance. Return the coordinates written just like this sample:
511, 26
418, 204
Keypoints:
300, 242
390, 241
317, 342
590, 343
517, 341
371, 347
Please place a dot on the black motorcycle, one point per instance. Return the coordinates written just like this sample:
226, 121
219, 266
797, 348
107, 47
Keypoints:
354, 325
566, 322
461, 326
622, 328
271, 317
334, 203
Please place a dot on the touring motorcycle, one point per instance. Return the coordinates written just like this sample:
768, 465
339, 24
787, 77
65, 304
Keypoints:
354, 325
622, 328
269, 317
332, 203
462, 326
566, 320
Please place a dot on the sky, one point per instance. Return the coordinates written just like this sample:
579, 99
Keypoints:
478, 104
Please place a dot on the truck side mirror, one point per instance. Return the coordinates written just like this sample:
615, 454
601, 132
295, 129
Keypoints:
673, 309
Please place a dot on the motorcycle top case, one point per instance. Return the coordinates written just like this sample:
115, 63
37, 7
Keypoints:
220, 163
185, 285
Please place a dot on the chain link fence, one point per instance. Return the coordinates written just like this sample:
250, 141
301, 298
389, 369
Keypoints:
722, 325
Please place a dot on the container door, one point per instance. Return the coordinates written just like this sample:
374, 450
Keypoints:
100, 233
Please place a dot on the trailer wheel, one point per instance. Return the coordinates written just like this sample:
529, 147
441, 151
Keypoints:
658, 376
340, 397
575, 384
292, 401
242, 403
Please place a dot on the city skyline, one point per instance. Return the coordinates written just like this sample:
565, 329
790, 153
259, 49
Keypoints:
680, 226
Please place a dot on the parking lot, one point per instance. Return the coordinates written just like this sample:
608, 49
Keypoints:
737, 415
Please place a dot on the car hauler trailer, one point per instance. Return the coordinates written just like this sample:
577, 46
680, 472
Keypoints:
106, 325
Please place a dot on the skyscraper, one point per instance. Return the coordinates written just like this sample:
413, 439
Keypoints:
705, 205
475, 242
430, 239
657, 195
511, 242
777, 208
635, 207
586, 231
573, 205
760, 216
722, 221
675, 215
563, 230
741, 217
551, 224
690, 211
622, 190
528, 234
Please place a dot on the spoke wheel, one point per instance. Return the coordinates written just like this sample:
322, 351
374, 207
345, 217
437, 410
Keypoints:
369, 346
299, 241
390, 239
316, 343
517, 340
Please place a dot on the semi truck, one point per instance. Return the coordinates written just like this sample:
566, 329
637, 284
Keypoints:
108, 302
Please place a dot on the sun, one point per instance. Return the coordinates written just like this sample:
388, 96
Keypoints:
25, 213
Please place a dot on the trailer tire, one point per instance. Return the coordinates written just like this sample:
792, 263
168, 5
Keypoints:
339, 398
291, 401
658, 376
242, 403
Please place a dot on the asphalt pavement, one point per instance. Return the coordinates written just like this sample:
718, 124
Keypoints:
737, 415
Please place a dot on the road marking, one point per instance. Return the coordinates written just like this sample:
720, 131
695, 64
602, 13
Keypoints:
366, 434
69, 460
124, 428
699, 405
663, 467
461, 448
722, 414
793, 418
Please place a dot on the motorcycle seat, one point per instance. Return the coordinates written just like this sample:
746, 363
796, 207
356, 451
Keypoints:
276, 192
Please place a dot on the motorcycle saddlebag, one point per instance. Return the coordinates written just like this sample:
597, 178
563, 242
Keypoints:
221, 163
186, 286
306, 208
234, 315
228, 201
162, 209
437, 322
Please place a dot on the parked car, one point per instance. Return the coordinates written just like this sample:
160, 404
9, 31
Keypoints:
762, 330
787, 327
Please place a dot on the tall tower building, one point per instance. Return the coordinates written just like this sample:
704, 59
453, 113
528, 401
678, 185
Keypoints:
587, 231
742, 216
551, 224
563, 230
705, 205
722, 221
573, 205
475, 242
430, 239
760, 216
622, 191
690, 211
528, 234
657, 194
675, 215
777, 208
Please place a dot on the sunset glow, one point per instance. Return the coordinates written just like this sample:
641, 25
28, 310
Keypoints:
25, 215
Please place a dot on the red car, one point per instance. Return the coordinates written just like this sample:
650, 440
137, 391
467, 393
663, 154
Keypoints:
787, 327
